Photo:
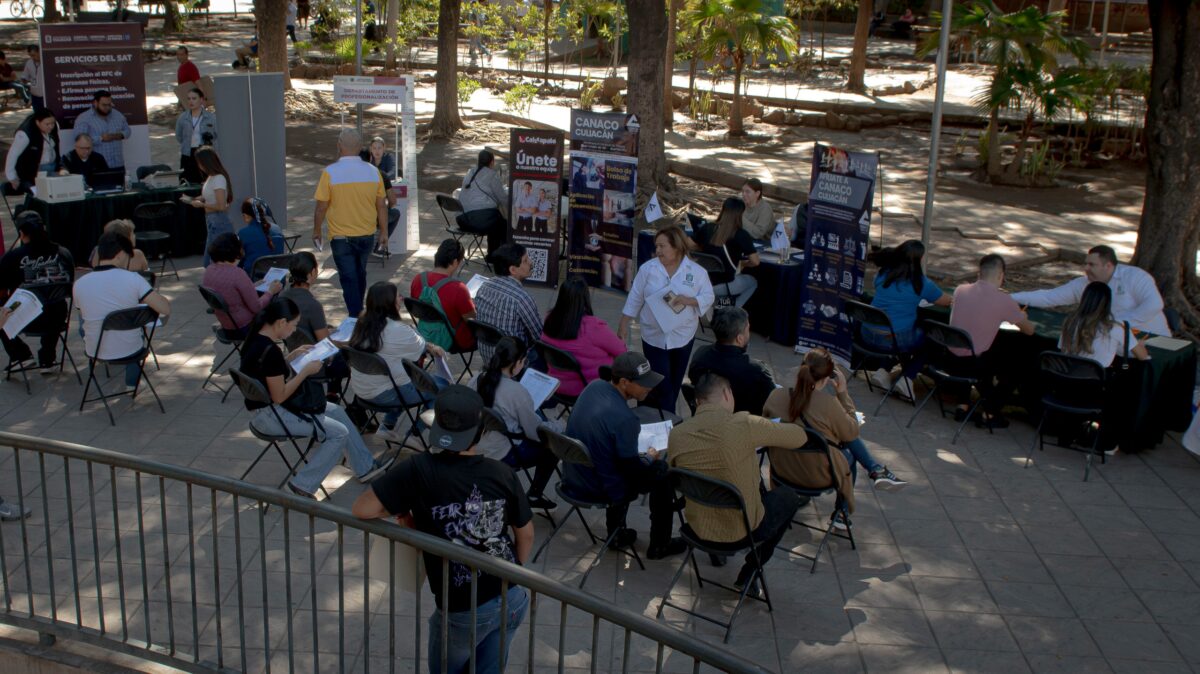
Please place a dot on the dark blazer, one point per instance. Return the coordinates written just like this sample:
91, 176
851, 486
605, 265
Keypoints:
31, 158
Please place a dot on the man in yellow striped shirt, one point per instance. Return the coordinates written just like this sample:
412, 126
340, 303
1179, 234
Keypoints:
350, 196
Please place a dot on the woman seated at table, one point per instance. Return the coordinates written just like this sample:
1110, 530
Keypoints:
498, 387
482, 196
729, 242
379, 156
225, 278
1091, 332
260, 235
126, 229
572, 327
900, 287
379, 330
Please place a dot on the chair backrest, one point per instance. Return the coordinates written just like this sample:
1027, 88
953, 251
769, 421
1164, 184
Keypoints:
48, 293
299, 337
706, 491
689, 396
366, 362
254, 390
264, 264
149, 276
1074, 379
559, 359
133, 318
948, 336
215, 302
143, 171
485, 333
492, 421
711, 263
423, 311
422, 380
567, 449
155, 215
449, 204
865, 314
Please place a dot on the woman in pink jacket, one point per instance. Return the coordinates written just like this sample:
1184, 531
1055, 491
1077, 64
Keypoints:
571, 327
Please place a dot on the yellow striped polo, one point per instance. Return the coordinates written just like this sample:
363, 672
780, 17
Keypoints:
351, 186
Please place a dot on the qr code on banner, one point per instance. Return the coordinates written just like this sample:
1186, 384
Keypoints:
538, 258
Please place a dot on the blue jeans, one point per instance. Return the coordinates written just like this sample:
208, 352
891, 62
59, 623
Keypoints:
741, 288
407, 396
218, 224
672, 365
350, 255
487, 635
339, 436
856, 453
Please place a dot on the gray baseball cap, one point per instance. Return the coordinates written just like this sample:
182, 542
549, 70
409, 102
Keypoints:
633, 366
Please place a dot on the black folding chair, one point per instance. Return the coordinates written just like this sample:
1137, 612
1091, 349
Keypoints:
255, 392
473, 244
485, 334
263, 264
47, 294
689, 396
569, 450
373, 364
1076, 388
493, 423
817, 444
715, 270
563, 361
719, 495
420, 311
949, 369
142, 319
153, 221
145, 171
229, 338
864, 354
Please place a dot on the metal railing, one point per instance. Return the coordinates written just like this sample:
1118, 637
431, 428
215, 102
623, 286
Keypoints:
205, 573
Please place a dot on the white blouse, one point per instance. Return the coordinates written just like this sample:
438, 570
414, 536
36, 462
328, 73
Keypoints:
651, 282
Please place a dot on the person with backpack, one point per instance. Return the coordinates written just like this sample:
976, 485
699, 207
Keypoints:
442, 289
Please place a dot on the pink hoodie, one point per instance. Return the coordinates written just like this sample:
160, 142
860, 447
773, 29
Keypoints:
596, 345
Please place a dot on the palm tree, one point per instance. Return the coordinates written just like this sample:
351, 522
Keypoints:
739, 30
1024, 47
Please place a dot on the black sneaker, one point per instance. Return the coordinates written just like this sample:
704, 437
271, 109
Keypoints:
625, 538
993, 422
755, 590
300, 492
673, 547
48, 369
540, 502
380, 253
886, 480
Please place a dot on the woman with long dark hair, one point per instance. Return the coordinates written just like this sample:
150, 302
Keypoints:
728, 241
34, 149
262, 359
259, 234
215, 197
500, 390
900, 287
571, 327
1090, 331
483, 198
379, 330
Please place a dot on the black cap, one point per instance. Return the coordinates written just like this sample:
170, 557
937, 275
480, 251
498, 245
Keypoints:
458, 414
633, 366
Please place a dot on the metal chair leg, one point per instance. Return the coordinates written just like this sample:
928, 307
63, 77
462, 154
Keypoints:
920, 407
1037, 437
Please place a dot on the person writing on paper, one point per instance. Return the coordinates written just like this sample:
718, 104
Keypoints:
1135, 296
259, 234
483, 196
729, 242
498, 386
820, 399
303, 271
442, 289
111, 287
1093, 332
379, 330
215, 197
900, 287
758, 219
750, 380
572, 327
503, 303
723, 444
228, 280
34, 150
263, 360
670, 293
36, 262
604, 423
473, 501
82, 160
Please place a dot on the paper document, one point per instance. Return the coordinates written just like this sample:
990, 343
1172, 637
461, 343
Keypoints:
666, 316
30, 307
860, 417
320, 351
1167, 343
273, 274
475, 284
654, 436
1005, 325
540, 386
442, 368
344, 331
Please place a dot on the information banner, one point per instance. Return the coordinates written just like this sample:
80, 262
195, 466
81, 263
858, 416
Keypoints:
79, 59
369, 90
841, 194
536, 174
603, 187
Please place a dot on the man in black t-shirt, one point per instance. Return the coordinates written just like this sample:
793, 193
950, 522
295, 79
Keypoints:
750, 380
37, 265
470, 500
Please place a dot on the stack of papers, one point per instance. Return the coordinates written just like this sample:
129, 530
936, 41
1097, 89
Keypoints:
540, 386
475, 284
654, 436
442, 368
319, 352
344, 331
1158, 342
30, 308
273, 274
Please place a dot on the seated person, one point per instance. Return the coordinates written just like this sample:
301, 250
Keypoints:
757, 219
259, 235
900, 286
749, 379
498, 387
452, 296
728, 241
9, 80
377, 155
244, 53
303, 273
36, 261
604, 423
262, 359
979, 309
902, 27
1091, 330
379, 330
225, 278
571, 327
1135, 296
483, 198
126, 229
723, 444
501, 301
111, 287
82, 160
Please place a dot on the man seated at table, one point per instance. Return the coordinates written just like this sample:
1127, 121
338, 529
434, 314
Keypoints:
36, 262
107, 128
979, 309
604, 423
721, 443
749, 379
82, 160
452, 295
1135, 296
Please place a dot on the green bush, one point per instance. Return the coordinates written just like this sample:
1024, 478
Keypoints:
519, 99
588, 93
343, 49
466, 88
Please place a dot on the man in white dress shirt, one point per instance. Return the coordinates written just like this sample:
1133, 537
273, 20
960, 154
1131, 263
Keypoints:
1135, 296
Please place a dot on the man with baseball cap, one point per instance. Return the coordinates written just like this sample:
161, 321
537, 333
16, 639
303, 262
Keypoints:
455, 493
37, 264
604, 423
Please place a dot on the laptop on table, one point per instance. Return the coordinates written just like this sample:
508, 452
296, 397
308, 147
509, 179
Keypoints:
107, 182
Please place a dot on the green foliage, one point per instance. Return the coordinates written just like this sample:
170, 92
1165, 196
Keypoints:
466, 88
519, 99
1040, 165
303, 45
618, 102
588, 93
332, 14
344, 50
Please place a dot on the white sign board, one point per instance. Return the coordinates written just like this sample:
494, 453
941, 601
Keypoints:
370, 90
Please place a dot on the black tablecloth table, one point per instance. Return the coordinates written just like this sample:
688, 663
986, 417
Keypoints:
77, 225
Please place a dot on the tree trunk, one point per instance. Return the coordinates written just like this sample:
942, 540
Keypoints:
446, 121
1169, 232
547, 10
647, 38
393, 19
735, 110
172, 18
271, 16
673, 7
858, 58
993, 145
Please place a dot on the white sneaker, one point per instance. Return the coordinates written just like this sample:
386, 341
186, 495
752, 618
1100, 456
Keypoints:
882, 378
392, 435
11, 512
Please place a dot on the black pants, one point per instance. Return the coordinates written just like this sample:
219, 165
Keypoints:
779, 507
487, 221
50, 323
191, 171
647, 480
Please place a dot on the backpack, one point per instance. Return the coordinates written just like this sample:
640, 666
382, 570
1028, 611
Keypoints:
435, 332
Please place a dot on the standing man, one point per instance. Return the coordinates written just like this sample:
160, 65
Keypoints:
350, 193
107, 127
31, 75
82, 160
524, 206
188, 72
